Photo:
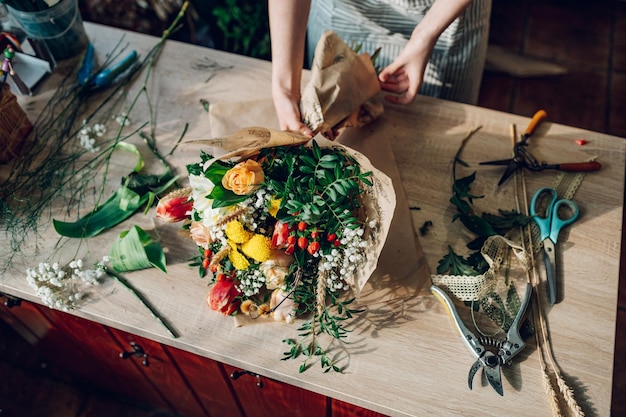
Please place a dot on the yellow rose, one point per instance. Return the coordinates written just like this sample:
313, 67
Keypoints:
244, 178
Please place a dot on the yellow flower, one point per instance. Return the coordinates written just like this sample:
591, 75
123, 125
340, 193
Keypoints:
238, 260
247, 306
235, 232
264, 309
257, 248
274, 206
244, 178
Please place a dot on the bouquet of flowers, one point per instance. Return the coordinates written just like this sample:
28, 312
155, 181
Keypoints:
285, 231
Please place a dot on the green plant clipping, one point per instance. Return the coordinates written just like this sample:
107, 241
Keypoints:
135, 249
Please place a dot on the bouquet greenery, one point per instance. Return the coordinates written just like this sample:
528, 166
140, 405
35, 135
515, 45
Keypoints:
282, 233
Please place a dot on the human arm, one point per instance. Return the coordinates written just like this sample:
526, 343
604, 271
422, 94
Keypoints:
405, 74
288, 21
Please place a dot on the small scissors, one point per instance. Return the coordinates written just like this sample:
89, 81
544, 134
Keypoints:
490, 353
549, 227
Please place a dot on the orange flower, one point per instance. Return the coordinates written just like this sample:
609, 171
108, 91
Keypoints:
244, 178
174, 207
223, 296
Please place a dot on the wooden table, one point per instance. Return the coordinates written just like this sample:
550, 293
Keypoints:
414, 364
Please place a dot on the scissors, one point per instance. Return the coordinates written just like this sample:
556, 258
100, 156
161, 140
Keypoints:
549, 227
524, 159
490, 353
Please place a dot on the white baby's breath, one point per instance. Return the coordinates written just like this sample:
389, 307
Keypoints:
63, 287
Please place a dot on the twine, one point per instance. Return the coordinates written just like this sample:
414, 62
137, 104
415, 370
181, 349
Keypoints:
14, 124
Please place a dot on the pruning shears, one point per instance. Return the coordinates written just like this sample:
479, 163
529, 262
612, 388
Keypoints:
522, 158
490, 353
89, 78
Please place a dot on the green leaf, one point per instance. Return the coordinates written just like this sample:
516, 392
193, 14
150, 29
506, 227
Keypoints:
332, 194
135, 249
306, 169
317, 152
132, 149
115, 210
506, 220
223, 198
454, 264
216, 171
310, 162
477, 225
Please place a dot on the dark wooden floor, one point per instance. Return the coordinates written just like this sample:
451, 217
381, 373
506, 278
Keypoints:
588, 38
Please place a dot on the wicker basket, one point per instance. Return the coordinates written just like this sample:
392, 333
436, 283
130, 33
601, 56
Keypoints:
14, 125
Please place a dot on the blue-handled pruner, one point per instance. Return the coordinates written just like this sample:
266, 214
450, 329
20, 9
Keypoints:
557, 215
91, 78
490, 353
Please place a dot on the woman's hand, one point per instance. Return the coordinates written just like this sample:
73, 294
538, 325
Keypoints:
287, 107
405, 74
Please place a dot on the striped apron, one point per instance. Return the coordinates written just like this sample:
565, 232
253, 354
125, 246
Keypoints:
455, 69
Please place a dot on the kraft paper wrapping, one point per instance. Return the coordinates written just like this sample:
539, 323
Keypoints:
342, 89
401, 271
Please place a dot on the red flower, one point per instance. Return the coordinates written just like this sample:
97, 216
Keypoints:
281, 234
223, 296
174, 207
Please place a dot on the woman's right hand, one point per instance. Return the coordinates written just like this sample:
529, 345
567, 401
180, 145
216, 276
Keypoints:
287, 107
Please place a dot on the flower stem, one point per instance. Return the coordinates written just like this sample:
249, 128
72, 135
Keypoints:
122, 280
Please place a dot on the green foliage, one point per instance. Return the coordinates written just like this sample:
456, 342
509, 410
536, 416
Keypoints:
317, 184
485, 224
243, 27
454, 264
502, 312
329, 322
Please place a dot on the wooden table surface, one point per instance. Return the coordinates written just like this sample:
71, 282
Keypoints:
405, 358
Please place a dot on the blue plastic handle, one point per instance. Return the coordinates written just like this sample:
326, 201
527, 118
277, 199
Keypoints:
86, 67
551, 224
107, 76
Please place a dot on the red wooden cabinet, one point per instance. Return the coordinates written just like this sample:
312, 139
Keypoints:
343, 409
209, 381
262, 397
164, 377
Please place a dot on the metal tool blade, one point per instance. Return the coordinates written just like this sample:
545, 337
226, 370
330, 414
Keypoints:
549, 259
494, 378
475, 367
510, 169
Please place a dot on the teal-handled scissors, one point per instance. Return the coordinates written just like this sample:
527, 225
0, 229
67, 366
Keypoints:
550, 225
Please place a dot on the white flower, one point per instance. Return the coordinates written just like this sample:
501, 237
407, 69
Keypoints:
201, 187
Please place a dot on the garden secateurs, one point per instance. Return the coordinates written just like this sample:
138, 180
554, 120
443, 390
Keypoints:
490, 353
524, 159
90, 78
